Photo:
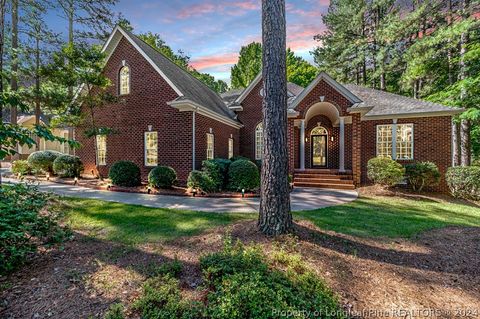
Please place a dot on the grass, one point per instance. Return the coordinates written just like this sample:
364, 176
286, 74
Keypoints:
393, 216
132, 224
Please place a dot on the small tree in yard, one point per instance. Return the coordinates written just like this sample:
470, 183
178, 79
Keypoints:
275, 217
81, 66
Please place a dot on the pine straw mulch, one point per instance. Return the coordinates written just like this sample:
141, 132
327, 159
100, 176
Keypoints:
438, 270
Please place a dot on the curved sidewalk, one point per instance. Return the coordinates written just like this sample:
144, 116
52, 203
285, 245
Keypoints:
302, 198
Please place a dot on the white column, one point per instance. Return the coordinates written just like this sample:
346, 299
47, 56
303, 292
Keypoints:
193, 140
394, 140
302, 145
342, 145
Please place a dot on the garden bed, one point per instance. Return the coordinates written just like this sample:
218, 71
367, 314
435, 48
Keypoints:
95, 183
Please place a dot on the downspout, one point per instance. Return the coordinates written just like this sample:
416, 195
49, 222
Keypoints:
193, 138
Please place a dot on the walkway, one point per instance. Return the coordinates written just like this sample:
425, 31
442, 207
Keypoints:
302, 198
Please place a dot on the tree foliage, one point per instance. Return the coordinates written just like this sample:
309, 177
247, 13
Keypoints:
249, 65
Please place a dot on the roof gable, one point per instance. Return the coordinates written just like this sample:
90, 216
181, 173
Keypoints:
183, 83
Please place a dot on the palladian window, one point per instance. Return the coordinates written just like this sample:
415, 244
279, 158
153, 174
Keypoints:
101, 150
125, 80
151, 148
259, 142
210, 146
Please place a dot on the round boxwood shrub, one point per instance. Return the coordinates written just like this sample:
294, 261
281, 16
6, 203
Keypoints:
21, 167
217, 169
464, 182
68, 166
243, 174
200, 180
384, 171
162, 177
125, 173
43, 160
422, 174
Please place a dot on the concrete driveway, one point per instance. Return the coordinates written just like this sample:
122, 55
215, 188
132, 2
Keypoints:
301, 198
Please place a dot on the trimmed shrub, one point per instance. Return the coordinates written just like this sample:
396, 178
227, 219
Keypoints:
243, 174
217, 169
68, 166
21, 167
385, 171
43, 160
162, 177
200, 180
422, 174
464, 182
125, 173
26, 223
239, 158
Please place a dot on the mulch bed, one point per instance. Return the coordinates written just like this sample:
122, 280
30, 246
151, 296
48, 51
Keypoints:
436, 274
142, 189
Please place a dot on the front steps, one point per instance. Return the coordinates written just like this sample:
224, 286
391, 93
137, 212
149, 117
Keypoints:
323, 178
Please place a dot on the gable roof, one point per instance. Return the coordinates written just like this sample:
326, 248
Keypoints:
185, 85
327, 78
379, 103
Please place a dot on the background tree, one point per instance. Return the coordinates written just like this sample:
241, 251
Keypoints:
275, 217
81, 66
249, 65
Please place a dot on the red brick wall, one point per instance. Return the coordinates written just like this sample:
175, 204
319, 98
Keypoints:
432, 142
221, 133
251, 115
147, 105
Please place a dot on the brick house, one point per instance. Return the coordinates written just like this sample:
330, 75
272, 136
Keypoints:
165, 116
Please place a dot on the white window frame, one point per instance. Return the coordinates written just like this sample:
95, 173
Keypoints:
102, 162
230, 148
121, 80
397, 135
147, 149
210, 146
259, 141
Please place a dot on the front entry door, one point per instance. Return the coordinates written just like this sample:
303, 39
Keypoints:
319, 150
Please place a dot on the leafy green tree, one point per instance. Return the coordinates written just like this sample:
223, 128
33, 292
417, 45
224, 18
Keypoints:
81, 66
249, 65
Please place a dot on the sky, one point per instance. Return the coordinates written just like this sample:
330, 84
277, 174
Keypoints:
212, 32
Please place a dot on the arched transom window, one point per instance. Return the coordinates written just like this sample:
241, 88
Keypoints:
124, 80
259, 141
319, 130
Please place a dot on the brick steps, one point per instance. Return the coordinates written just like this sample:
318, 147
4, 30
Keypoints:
323, 178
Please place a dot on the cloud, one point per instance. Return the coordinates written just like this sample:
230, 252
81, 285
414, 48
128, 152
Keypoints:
236, 8
214, 61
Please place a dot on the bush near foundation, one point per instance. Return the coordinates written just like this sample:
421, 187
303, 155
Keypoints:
385, 172
43, 160
21, 167
464, 182
162, 177
422, 174
68, 166
201, 181
243, 174
125, 173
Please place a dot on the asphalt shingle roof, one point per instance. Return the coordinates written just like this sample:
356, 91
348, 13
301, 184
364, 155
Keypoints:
191, 88
384, 103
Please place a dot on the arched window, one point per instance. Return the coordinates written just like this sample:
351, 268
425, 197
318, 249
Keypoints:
124, 80
259, 141
319, 130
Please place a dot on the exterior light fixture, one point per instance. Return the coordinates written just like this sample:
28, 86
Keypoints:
331, 139
243, 192
19, 175
149, 189
75, 181
92, 172
109, 185
306, 139
194, 192
48, 176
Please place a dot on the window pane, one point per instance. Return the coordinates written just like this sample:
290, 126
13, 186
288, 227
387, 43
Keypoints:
230, 147
384, 140
151, 148
405, 141
125, 80
101, 150
259, 142
210, 146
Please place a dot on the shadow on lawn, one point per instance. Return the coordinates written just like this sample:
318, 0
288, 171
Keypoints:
84, 279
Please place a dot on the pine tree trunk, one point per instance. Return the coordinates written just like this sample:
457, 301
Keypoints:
275, 217
456, 150
465, 145
14, 67
2, 43
465, 124
38, 110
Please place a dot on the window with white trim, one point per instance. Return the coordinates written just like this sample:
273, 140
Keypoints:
230, 148
259, 141
125, 80
210, 146
101, 150
403, 141
151, 148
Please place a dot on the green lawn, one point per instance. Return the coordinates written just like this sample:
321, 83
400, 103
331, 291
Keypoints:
392, 216
367, 217
133, 224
